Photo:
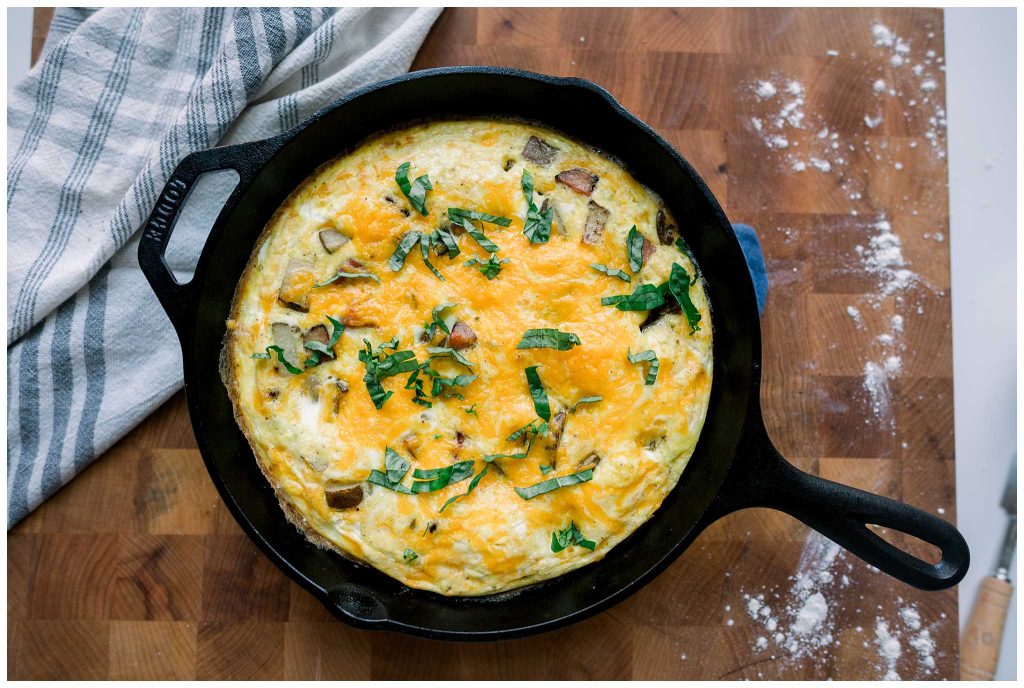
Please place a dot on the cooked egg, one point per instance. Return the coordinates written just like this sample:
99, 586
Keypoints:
381, 387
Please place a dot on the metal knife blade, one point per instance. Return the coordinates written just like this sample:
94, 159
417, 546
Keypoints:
1009, 500
1009, 503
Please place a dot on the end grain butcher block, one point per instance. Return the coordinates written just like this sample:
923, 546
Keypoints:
824, 129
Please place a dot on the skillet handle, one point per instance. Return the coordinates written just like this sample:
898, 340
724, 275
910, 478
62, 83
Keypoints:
247, 159
761, 477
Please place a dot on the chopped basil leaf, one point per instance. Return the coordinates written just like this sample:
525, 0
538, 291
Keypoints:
320, 349
416, 192
435, 479
635, 249
396, 363
395, 467
533, 430
555, 483
376, 391
612, 272
545, 469
530, 428
472, 486
679, 284
436, 321
440, 383
527, 184
280, 357
441, 351
646, 297
471, 410
547, 338
395, 464
393, 344
409, 556
490, 268
685, 248
425, 251
405, 244
416, 384
585, 400
410, 239
378, 478
378, 368
480, 238
457, 214
537, 227
377, 394
348, 275
652, 371
568, 537
490, 458
443, 236
540, 397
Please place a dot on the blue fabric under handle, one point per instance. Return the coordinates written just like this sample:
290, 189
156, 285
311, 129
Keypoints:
755, 262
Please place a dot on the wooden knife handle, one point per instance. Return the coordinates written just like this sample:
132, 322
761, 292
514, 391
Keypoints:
979, 650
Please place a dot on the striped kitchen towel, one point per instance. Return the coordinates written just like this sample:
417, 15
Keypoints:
119, 97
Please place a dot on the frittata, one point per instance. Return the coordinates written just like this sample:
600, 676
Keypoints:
473, 354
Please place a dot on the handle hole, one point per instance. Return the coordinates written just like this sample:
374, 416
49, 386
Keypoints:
203, 205
914, 546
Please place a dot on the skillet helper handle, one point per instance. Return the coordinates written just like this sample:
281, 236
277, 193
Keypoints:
246, 159
761, 477
983, 635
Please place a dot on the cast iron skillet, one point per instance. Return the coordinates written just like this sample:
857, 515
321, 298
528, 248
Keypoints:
734, 466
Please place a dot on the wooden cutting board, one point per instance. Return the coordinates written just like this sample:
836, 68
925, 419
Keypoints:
136, 570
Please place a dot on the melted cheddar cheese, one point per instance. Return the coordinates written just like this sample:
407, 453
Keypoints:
320, 427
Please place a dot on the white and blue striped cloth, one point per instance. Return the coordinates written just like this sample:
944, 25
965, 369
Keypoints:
119, 97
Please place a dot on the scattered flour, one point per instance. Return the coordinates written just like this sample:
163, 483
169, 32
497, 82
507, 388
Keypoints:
876, 382
854, 313
893, 365
924, 645
779, 117
889, 649
911, 617
920, 640
805, 627
899, 51
811, 615
884, 258
781, 101
765, 90
883, 36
